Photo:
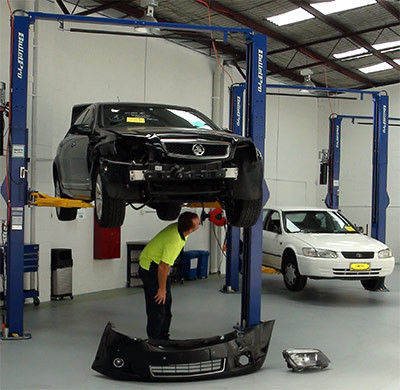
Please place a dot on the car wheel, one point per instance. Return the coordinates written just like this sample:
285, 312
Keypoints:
110, 212
373, 284
63, 213
168, 211
243, 213
291, 275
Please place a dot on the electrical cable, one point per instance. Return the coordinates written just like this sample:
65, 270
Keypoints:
213, 40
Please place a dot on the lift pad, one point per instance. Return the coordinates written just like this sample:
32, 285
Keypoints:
268, 270
42, 200
206, 205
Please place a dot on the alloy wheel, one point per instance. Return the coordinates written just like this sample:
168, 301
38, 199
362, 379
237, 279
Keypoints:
290, 274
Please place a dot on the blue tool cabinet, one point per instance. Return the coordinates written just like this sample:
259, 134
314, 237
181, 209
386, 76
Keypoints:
31, 266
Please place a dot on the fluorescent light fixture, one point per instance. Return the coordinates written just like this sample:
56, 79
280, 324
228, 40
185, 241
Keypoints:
297, 15
341, 5
351, 53
376, 68
386, 45
397, 61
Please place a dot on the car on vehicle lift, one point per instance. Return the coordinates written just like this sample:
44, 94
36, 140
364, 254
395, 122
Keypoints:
156, 155
316, 243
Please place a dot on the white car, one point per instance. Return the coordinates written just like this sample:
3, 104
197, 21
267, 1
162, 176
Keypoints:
314, 243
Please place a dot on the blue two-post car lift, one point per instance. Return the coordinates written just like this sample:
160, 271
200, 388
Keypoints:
380, 198
15, 188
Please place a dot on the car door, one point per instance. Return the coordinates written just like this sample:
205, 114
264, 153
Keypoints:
272, 239
73, 161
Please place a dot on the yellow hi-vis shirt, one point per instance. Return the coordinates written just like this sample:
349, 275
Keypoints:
165, 247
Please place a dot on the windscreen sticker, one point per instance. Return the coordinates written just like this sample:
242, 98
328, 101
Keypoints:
350, 228
131, 119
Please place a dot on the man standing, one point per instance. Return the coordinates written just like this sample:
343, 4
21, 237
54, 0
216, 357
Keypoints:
155, 262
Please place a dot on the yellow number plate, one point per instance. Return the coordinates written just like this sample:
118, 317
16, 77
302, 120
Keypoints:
359, 266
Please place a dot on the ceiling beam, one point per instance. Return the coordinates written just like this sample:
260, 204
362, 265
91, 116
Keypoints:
390, 8
63, 7
335, 38
244, 20
238, 55
344, 30
100, 8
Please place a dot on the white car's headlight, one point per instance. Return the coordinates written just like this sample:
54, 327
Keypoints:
385, 253
315, 252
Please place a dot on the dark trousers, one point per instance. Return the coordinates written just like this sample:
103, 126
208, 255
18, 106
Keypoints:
158, 315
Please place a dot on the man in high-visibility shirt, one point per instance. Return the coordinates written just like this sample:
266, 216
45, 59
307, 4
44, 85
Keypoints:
155, 262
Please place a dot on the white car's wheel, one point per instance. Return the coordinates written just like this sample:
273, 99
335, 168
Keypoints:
291, 275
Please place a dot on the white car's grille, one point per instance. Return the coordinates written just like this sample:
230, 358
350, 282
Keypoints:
189, 369
349, 272
358, 255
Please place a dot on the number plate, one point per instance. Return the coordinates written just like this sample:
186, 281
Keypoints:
359, 266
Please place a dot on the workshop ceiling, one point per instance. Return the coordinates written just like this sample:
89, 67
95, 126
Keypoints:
308, 44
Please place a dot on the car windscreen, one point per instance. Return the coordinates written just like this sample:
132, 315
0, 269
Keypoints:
129, 116
317, 222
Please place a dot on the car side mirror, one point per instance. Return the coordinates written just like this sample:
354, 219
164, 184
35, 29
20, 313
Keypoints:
360, 229
80, 129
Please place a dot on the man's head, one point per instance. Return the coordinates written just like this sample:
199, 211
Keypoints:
188, 222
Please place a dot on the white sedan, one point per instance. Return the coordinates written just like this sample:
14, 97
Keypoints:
322, 244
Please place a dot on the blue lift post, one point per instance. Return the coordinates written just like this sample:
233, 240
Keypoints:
236, 93
380, 198
14, 188
255, 128
18, 192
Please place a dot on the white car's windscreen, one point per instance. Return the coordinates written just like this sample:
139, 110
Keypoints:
317, 222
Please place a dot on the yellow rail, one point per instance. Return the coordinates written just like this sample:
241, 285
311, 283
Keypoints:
42, 200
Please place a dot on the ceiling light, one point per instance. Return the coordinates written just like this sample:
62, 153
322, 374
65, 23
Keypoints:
376, 68
351, 53
148, 17
341, 5
306, 73
386, 45
397, 61
297, 15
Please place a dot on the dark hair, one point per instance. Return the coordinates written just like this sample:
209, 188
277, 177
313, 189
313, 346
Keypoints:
185, 221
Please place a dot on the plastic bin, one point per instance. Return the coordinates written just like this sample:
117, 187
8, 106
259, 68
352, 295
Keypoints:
190, 264
61, 273
202, 264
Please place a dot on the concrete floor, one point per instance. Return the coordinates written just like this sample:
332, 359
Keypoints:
358, 330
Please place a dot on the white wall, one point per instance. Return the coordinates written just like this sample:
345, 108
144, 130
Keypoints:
356, 163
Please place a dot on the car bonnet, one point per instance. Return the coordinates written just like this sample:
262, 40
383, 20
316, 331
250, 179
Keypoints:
340, 241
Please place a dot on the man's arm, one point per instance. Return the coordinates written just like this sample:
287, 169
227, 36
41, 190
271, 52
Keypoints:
163, 271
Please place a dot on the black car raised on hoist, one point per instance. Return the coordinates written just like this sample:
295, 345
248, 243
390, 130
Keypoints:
156, 155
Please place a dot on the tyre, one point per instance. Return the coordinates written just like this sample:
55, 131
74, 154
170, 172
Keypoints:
291, 275
110, 212
63, 213
36, 301
243, 213
168, 211
373, 284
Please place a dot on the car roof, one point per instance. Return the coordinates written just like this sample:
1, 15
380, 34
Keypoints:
142, 105
299, 208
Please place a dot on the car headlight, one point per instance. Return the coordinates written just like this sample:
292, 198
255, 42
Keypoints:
385, 253
300, 359
315, 252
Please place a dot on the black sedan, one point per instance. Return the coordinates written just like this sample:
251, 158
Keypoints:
155, 155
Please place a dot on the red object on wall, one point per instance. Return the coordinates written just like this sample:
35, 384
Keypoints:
106, 242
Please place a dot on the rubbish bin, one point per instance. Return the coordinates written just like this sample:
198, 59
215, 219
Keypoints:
190, 264
202, 264
61, 273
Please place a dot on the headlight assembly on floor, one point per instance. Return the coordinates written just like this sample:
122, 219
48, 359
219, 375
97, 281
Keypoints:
305, 358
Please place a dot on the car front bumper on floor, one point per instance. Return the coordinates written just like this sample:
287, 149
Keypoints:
236, 353
341, 268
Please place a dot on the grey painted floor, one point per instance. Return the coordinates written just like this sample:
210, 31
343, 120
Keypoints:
358, 330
